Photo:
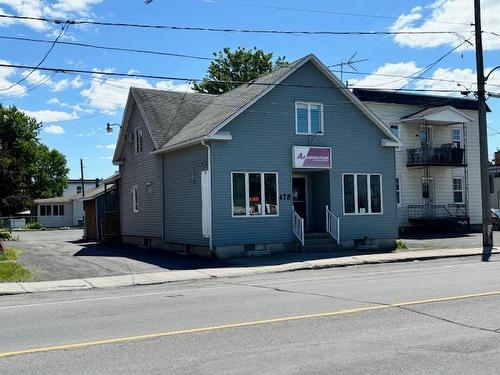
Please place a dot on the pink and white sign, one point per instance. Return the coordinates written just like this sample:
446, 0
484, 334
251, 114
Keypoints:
312, 157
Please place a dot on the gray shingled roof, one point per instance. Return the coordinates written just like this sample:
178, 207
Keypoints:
167, 112
222, 107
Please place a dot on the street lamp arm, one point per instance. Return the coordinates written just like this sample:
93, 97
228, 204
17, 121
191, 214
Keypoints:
491, 71
109, 127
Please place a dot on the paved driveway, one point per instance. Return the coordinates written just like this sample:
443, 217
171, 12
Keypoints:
445, 241
61, 254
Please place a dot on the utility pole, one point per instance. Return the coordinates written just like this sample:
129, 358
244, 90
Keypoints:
483, 136
81, 177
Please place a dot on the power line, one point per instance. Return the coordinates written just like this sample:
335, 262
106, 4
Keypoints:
226, 30
87, 45
185, 79
61, 33
325, 11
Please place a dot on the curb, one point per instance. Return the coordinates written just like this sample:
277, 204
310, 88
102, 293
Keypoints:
208, 273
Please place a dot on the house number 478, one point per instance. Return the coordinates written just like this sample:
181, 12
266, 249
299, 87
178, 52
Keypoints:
285, 197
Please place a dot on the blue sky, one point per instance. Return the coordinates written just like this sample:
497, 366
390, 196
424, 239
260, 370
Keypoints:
75, 108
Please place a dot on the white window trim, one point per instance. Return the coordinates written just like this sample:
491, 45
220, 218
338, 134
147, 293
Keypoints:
400, 204
135, 201
462, 190
460, 131
262, 195
308, 104
368, 174
137, 133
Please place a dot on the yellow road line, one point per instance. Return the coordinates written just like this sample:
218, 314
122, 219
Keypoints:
243, 324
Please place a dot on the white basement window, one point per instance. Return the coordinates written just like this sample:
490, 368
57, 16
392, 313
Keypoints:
254, 194
135, 202
308, 118
458, 190
138, 140
362, 193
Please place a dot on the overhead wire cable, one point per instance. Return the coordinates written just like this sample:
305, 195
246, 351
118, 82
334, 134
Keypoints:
64, 28
225, 30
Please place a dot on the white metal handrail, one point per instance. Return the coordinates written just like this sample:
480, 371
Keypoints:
332, 224
298, 226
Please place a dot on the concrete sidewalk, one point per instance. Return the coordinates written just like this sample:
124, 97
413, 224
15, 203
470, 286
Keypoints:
238, 268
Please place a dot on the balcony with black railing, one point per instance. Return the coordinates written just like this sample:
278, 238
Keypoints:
446, 155
437, 212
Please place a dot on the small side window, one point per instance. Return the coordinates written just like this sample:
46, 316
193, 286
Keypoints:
138, 141
135, 201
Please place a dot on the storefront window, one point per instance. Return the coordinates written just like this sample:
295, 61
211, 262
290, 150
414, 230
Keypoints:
271, 191
349, 206
239, 206
362, 194
255, 194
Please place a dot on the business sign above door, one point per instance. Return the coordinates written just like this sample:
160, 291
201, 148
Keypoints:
312, 157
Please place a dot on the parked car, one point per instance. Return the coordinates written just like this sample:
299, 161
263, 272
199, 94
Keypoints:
495, 218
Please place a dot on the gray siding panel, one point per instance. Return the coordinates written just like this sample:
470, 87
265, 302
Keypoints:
140, 169
263, 137
182, 174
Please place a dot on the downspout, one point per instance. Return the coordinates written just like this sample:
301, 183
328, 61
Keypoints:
209, 157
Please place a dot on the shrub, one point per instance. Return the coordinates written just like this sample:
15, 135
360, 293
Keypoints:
33, 226
6, 236
401, 245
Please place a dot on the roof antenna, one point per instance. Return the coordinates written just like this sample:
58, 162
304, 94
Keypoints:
349, 63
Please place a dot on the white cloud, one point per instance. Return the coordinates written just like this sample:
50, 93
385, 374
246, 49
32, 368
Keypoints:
109, 147
7, 79
383, 77
47, 115
466, 77
60, 85
43, 8
109, 95
448, 15
53, 129
76, 82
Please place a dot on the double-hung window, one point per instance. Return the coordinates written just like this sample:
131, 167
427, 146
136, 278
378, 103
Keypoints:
308, 118
458, 190
362, 193
138, 140
135, 201
456, 137
254, 193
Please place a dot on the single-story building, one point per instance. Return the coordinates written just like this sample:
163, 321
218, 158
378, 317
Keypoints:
292, 158
100, 206
59, 211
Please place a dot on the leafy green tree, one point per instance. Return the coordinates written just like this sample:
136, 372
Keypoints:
28, 169
231, 68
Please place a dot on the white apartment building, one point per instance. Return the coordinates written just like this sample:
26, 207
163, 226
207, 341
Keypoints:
438, 167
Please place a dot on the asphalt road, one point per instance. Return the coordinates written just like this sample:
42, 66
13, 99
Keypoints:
439, 316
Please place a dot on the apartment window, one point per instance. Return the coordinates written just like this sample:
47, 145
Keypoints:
395, 130
135, 202
458, 190
78, 189
456, 136
362, 193
138, 140
398, 190
254, 194
308, 118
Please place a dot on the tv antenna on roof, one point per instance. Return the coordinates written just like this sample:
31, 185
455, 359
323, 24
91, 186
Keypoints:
349, 63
